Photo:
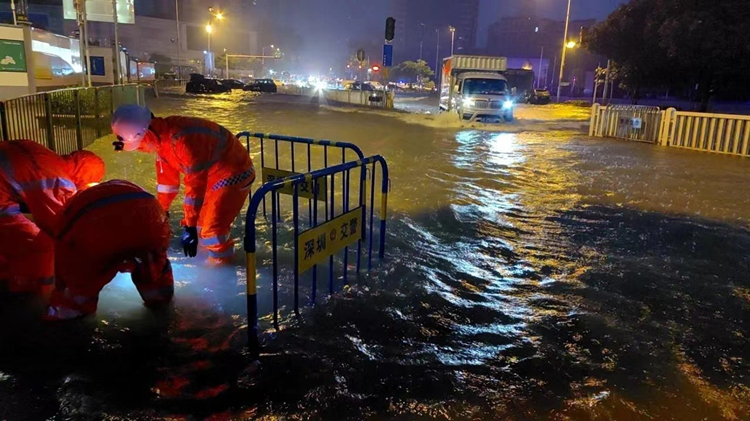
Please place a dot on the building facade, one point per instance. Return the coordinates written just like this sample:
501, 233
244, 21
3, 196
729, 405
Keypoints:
154, 33
423, 24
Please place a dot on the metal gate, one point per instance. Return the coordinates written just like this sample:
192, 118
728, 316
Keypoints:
631, 122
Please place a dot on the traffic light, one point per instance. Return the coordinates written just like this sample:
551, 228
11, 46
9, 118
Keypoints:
360, 55
375, 68
390, 29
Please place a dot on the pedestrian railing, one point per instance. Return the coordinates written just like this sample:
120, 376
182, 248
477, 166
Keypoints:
284, 156
65, 120
630, 122
338, 223
719, 133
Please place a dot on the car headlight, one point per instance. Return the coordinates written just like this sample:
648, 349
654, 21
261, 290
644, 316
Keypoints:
469, 102
507, 105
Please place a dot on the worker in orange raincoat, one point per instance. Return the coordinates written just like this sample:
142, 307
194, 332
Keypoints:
109, 228
35, 184
217, 172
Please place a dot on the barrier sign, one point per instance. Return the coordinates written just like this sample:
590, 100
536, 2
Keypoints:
303, 189
637, 123
319, 243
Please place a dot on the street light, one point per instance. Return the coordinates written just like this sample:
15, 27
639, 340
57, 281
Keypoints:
210, 30
564, 50
263, 54
453, 37
571, 44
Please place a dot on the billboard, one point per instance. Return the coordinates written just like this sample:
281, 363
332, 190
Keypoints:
101, 10
12, 56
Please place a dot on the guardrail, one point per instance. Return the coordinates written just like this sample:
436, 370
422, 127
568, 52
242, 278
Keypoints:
65, 120
328, 232
313, 154
718, 133
630, 122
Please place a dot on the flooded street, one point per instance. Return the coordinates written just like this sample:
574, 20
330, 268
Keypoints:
531, 272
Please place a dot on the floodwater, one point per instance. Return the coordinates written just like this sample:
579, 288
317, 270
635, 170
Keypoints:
531, 273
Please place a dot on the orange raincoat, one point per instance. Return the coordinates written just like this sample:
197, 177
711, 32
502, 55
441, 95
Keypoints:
218, 173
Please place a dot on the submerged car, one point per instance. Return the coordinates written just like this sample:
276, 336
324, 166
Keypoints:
233, 83
537, 97
200, 84
261, 85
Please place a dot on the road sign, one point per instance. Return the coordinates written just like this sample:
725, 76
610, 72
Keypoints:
12, 56
387, 55
303, 189
317, 244
637, 122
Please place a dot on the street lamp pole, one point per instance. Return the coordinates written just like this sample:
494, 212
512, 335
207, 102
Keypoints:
13, 10
565, 47
453, 38
179, 46
437, 52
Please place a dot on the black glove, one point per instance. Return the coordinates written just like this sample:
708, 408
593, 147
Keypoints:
190, 241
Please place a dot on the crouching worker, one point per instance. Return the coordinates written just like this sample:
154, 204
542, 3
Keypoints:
110, 228
35, 185
217, 172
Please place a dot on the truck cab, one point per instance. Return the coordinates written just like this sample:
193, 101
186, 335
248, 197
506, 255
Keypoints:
475, 88
483, 97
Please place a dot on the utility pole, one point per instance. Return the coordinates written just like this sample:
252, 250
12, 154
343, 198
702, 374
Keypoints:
437, 53
539, 79
453, 38
118, 81
13, 10
86, 43
605, 94
564, 47
179, 45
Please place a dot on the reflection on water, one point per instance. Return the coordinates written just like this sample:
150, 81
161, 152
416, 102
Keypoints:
529, 276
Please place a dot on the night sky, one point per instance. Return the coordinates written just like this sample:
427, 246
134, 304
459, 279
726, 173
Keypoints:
330, 26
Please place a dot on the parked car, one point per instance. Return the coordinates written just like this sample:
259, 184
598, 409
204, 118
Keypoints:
200, 84
233, 83
261, 85
537, 97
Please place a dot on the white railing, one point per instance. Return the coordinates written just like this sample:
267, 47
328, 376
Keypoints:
719, 133
631, 122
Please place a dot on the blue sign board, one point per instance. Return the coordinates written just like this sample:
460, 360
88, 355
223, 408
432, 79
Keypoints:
387, 55
97, 66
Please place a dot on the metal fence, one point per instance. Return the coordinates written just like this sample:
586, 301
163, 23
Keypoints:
65, 120
630, 122
338, 223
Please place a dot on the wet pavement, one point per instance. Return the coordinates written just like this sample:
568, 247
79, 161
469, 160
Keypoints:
531, 273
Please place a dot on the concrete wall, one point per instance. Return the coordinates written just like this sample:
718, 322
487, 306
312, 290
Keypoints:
14, 84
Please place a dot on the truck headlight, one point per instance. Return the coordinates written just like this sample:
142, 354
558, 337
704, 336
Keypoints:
469, 103
507, 105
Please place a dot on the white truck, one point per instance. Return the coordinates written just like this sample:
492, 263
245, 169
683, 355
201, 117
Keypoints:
475, 89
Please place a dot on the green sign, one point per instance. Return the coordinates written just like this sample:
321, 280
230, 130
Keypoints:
12, 56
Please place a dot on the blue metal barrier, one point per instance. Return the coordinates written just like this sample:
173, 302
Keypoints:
274, 170
323, 239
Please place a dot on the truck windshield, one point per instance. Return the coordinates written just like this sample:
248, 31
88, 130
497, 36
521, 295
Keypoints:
484, 87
